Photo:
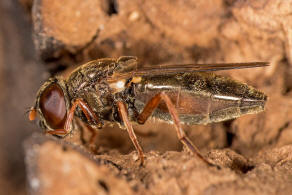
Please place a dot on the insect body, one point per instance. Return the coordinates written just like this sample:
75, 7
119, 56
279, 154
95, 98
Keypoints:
117, 90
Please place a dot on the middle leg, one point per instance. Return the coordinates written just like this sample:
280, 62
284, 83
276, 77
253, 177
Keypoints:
124, 115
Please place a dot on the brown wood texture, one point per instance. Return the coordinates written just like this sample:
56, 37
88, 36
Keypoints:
41, 38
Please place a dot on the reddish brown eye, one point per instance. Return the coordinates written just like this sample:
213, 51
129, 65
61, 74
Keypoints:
52, 105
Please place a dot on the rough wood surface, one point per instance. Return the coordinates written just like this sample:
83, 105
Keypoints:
253, 151
56, 167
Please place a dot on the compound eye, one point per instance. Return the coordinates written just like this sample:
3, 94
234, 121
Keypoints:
53, 107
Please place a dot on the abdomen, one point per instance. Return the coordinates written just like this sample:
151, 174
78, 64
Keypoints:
200, 98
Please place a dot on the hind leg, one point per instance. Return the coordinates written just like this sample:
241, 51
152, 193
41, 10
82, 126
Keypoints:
152, 105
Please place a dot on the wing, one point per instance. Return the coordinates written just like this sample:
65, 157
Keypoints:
173, 69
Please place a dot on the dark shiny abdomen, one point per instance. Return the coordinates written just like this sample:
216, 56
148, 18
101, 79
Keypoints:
200, 98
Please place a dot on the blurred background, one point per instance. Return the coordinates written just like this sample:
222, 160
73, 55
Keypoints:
21, 74
41, 38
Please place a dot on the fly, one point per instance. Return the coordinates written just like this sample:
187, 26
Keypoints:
117, 90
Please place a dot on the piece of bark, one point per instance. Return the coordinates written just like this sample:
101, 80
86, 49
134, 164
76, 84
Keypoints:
60, 168
56, 167
67, 25
164, 31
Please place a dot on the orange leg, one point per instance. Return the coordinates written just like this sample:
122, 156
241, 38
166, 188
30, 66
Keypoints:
150, 107
88, 112
124, 115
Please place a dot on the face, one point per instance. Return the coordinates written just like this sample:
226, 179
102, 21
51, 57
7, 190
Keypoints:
51, 105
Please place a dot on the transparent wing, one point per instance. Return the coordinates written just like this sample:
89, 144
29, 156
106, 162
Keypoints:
173, 69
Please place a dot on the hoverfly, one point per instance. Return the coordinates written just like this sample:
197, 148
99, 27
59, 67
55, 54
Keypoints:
117, 90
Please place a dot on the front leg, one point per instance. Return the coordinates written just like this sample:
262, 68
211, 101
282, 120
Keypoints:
152, 105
